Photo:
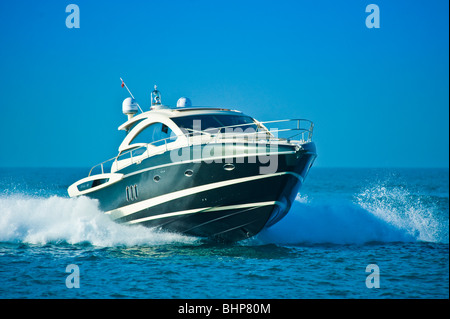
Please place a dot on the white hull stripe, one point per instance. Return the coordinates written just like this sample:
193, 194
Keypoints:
205, 210
136, 207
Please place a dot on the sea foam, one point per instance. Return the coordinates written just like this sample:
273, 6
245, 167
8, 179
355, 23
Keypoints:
74, 221
377, 214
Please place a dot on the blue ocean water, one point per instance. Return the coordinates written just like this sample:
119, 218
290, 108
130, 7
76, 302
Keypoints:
342, 221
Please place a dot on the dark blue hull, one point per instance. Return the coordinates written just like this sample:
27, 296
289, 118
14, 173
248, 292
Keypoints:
227, 200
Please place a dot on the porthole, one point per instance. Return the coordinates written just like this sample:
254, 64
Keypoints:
189, 173
228, 167
156, 178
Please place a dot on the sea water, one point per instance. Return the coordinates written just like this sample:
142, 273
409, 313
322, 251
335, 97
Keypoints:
351, 233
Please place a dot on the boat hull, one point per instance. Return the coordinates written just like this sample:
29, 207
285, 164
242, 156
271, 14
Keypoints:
226, 199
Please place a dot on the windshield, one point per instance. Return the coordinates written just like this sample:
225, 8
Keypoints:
210, 122
156, 133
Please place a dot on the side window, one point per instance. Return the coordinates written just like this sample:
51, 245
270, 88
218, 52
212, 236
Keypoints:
154, 133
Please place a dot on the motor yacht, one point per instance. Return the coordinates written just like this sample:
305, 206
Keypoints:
210, 172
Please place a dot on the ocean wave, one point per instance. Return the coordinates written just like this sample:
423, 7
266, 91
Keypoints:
415, 214
37, 220
377, 214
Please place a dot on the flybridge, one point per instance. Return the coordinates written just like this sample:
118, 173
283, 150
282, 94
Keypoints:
164, 129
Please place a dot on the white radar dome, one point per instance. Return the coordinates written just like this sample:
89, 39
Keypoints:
129, 107
184, 102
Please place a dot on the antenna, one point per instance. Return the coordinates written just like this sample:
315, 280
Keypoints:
124, 85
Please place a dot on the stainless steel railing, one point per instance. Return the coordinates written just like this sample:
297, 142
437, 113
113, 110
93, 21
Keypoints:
302, 128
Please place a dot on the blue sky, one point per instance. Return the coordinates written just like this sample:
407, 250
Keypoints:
378, 97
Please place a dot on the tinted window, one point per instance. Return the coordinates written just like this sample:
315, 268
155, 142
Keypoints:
208, 122
155, 132
89, 184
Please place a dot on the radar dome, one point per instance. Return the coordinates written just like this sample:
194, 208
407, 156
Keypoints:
129, 107
184, 102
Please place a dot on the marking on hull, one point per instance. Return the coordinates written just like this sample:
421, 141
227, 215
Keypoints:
136, 207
